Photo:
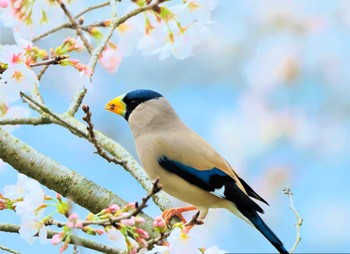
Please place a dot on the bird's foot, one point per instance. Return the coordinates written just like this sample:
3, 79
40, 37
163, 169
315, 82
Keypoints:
168, 214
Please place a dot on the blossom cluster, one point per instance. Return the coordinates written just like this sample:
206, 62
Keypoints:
30, 203
163, 30
17, 75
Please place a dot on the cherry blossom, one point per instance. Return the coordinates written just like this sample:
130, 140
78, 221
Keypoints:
4, 3
28, 195
11, 54
16, 78
29, 228
113, 234
110, 59
128, 34
177, 29
34, 18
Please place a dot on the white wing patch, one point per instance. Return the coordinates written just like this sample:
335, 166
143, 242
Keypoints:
219, 192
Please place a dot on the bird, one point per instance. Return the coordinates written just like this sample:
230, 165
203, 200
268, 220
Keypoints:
187, 166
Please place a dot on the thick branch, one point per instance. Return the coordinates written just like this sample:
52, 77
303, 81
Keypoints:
25, 121
57, 177
12, 228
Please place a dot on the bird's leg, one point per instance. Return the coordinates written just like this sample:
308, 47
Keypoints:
168, 214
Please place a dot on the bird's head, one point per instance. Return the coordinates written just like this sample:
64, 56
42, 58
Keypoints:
124, 104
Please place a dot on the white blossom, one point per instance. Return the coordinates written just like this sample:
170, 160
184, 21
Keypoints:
16, 78
30, 227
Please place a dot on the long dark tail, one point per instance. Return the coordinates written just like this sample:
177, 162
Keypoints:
265, 230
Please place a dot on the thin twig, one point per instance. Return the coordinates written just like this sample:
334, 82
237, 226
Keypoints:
55, 116
155, 189
76, 102
299, 222
100, 150
158, 240
36, 91
54, 60
42, 71
8, 250
76, 26
51, 31
194, 221
67, 24
112, 220
13, 228
93, 7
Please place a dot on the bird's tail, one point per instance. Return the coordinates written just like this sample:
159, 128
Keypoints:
260, 225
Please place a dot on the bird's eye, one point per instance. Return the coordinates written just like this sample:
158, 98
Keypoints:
133, 104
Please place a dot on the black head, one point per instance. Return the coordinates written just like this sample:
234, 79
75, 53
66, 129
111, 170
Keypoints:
124, 104
136, 97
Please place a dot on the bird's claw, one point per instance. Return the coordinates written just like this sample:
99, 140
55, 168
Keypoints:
168, 214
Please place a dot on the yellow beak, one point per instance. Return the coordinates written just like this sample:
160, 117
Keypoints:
117, 105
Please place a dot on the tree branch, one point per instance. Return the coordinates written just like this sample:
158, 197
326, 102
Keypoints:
299, 222
12, 228
90, 129
57, 177
25, 121
8, 250
66, 25
112, 220
76, 26
54, 60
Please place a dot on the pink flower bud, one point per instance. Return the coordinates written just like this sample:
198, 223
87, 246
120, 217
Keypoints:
64, 247
56, 239
128, 222
113, 208
139, 220
142, 233
70, 224
59, 197
73, 216
79, 224
159, 222
142, 242
99, 231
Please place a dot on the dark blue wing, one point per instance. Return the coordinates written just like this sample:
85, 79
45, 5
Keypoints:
212, 180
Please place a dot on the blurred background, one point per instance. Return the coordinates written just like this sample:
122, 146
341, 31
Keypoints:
269, 89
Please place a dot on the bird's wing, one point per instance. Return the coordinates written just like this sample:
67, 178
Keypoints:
186, 154
212, 180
